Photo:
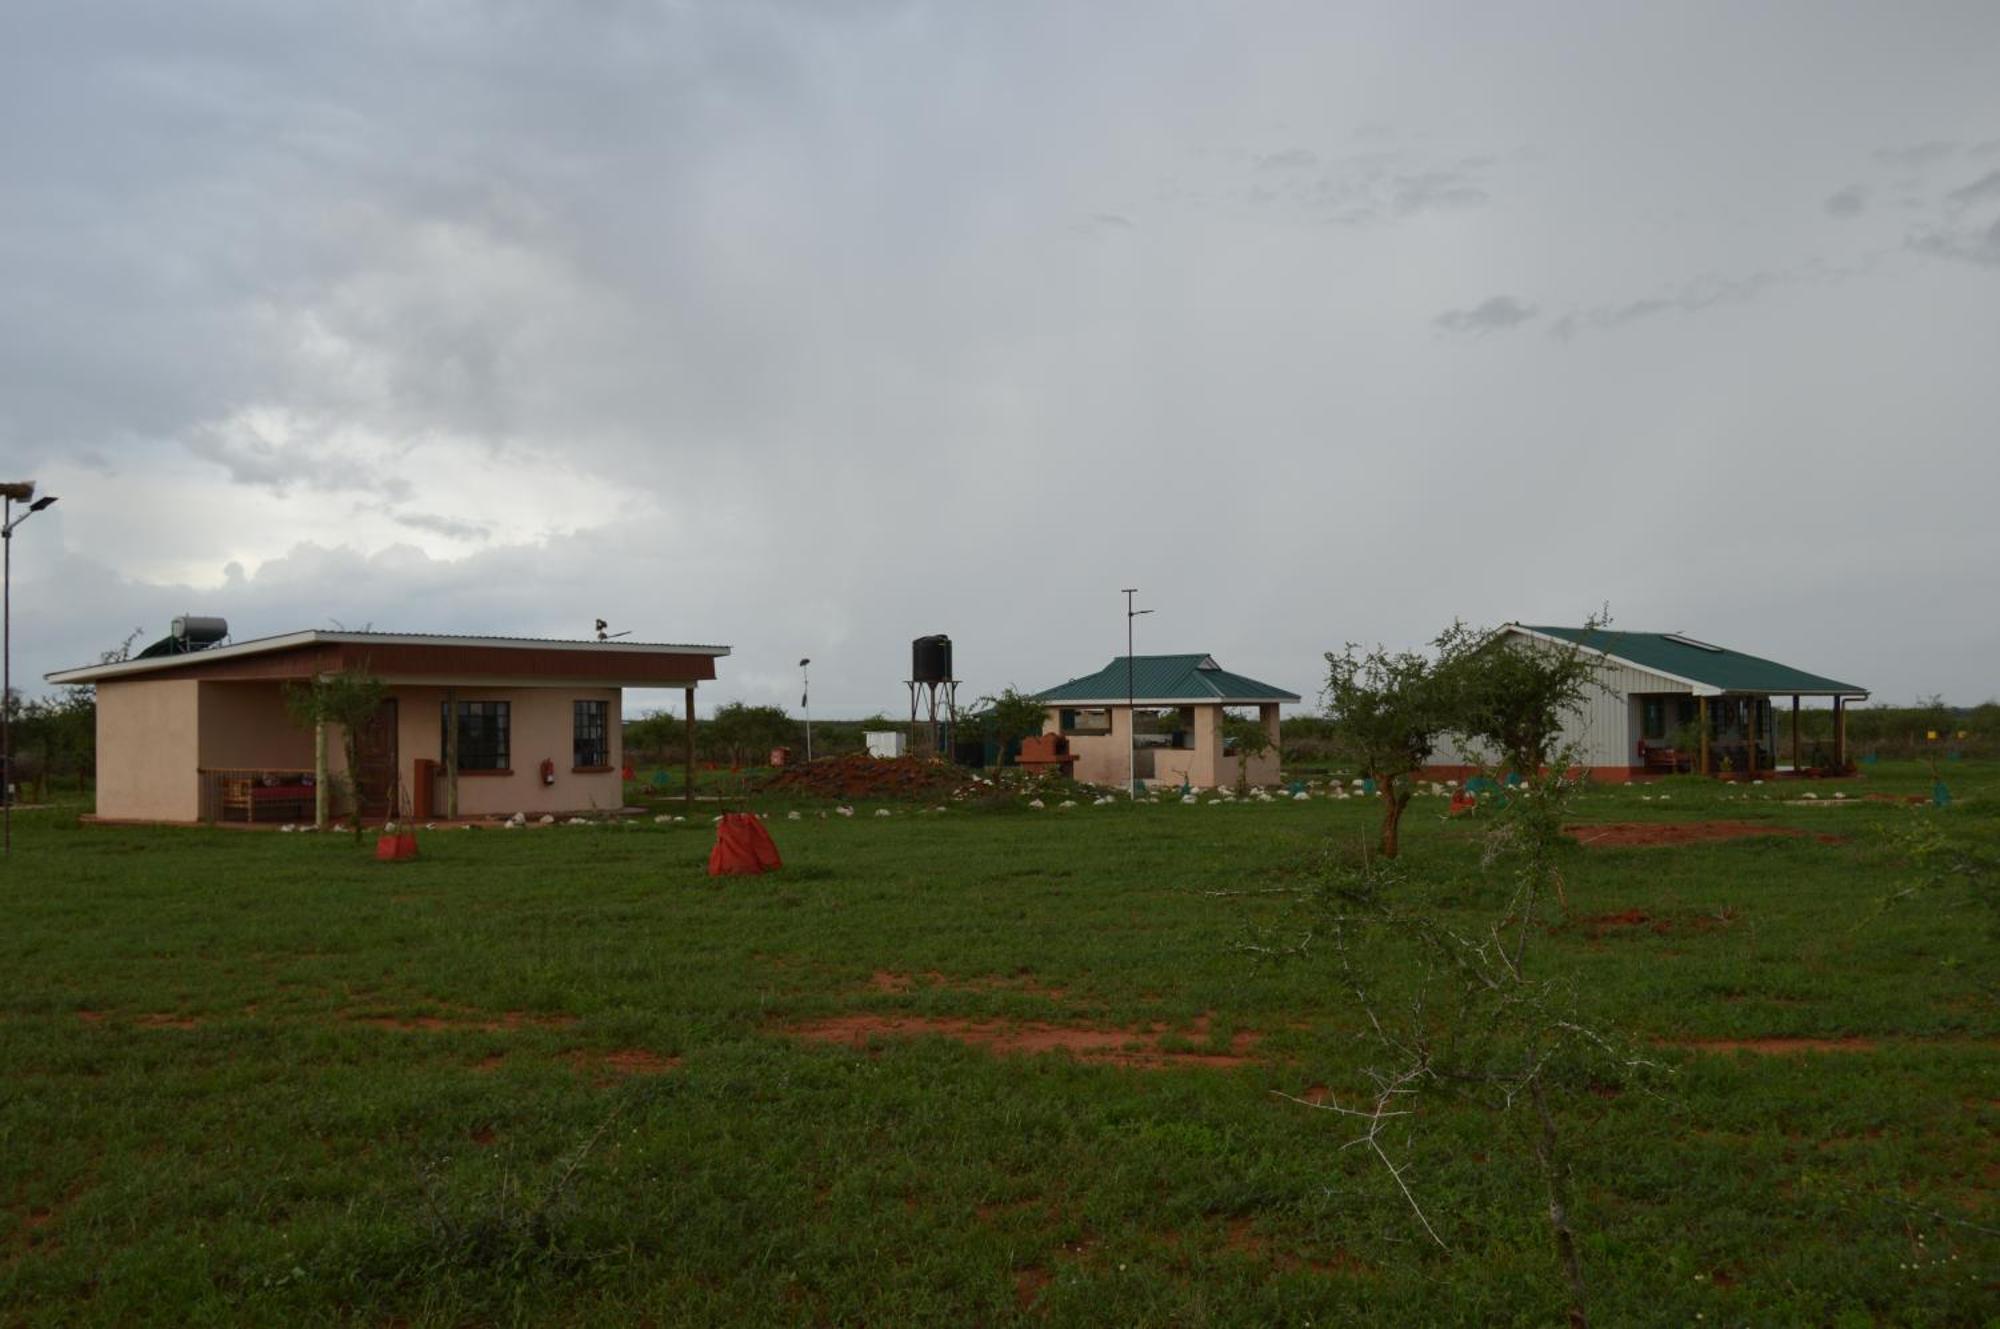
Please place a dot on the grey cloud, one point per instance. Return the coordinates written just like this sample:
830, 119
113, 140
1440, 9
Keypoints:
1985, 187
710, 268
1916, 155
449, 527
1436, 190
1289, 160
1964, 244
311, 461
1367, 188
1501, 313
1849, 202
1691, 296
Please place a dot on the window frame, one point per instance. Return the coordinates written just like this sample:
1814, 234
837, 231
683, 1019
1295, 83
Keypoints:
492, 732
578, 709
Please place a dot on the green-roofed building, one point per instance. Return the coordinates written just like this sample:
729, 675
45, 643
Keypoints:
1093, 714
1667, 702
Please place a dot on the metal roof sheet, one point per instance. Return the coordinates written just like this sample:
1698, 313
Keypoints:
313, 636
1159, 680
1698, 662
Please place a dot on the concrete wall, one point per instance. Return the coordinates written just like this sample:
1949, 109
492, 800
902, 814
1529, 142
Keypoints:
148, 746
541, 725
1106, 758
244, 726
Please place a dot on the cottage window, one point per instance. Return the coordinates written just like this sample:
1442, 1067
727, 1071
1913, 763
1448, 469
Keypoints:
1653, 712
592, 728
483, 728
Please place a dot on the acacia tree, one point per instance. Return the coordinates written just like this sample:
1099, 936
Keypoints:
1388, 709
348, 700
1514, 697
1473, 1016
739, 730
1013, 715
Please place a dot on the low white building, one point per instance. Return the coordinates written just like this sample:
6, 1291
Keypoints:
1664, 702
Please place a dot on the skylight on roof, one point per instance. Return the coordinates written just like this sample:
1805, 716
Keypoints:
1678, 639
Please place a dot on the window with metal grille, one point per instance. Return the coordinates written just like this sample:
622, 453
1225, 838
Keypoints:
593, 733
482, 734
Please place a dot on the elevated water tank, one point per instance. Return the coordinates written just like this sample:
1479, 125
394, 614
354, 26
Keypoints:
930, 659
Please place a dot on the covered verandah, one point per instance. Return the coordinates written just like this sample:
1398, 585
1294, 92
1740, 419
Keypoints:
1736, 735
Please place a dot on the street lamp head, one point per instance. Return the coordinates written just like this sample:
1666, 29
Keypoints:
41, 503
804, 663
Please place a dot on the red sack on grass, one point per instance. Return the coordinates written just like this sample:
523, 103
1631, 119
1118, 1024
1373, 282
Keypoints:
743, 847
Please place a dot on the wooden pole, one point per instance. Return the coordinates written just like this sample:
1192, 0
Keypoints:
1750, 709
1702, 723
322, 800
1840, 734
688, 795
1795, 734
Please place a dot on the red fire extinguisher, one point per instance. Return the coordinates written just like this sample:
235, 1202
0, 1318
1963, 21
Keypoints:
548, 771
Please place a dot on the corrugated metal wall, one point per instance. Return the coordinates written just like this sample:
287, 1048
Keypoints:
1605, 733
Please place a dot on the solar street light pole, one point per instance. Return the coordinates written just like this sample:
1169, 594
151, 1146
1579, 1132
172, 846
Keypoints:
10, 494
1131, 698
805, 704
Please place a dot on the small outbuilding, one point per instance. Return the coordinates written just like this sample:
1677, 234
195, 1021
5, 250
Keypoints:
1095, 714
198, 732
1664, 702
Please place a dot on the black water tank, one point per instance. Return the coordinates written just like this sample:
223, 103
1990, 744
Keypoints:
930, 659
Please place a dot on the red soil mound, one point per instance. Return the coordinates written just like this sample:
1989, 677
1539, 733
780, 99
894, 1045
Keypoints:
858, 775
1622, 834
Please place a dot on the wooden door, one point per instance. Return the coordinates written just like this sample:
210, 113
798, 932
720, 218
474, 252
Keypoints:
375, 773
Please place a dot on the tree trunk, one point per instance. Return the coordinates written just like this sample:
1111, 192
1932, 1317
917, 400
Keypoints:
1392, 816
1555, 1180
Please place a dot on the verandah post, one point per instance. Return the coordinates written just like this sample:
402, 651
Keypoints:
1702, 723
1795, 733
688, 757
321, 799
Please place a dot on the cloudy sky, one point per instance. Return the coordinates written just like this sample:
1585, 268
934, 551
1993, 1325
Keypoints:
811, 328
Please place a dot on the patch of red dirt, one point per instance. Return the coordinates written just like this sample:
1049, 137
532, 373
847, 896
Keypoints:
1243, 1239
1028, 1285
91, 1017
484, 1136
466, 1020
486, 1065
1316, 1094
638, 1061
1895, 798
1775, 1047
1139, 1048
160, 1020
891, 981
1627, 834
1596, 926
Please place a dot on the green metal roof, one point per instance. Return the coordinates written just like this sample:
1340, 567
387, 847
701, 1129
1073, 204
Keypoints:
1700, 663
1165, 680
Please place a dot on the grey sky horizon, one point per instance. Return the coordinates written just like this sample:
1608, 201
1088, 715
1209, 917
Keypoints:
813, 328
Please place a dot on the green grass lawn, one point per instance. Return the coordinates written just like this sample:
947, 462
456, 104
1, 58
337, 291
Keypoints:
545, 1076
